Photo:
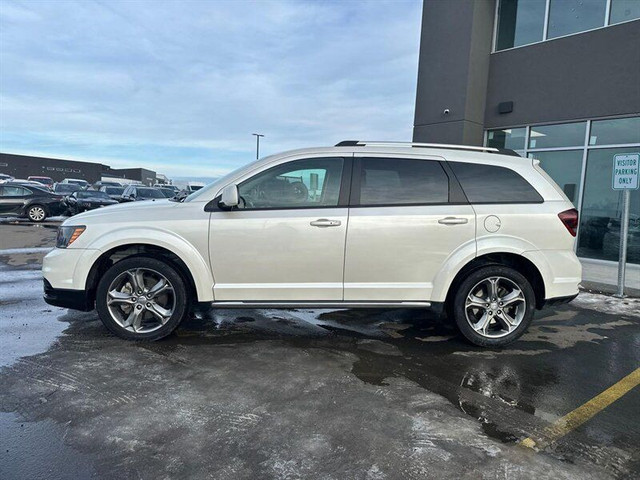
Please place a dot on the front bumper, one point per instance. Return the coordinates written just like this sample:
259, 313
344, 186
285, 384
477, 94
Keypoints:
74, 299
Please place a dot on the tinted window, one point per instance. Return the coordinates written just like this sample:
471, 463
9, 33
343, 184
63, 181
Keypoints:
114, 190
520, 22
396, 181
490, 184
149, 193
11, 191
313, 182
571, 16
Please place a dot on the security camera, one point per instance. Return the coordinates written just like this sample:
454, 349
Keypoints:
446, 111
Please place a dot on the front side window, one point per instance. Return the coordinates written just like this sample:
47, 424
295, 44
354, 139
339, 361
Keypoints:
308, 183
572, 16
520, 22
491, 184
399, 181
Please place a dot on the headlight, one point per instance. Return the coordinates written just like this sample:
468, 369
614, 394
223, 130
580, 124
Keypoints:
68, 235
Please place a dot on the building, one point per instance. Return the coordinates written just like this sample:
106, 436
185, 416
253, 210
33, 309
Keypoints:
22, 166
558, 81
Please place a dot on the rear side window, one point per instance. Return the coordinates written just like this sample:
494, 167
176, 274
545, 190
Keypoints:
491, 184
400, 181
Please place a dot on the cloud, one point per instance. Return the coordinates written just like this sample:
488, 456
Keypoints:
155, 83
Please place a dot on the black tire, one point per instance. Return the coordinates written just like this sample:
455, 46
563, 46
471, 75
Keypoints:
469, 286
37, 213
181, 297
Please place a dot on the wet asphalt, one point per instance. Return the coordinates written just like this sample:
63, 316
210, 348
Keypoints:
369, 394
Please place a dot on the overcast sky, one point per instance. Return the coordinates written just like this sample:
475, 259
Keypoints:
179, 87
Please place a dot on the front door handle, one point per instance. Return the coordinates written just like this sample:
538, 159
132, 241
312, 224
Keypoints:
453, 221
324, 222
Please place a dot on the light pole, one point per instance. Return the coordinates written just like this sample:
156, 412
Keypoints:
258, 135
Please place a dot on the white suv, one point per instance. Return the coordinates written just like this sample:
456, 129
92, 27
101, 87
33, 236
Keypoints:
480, 233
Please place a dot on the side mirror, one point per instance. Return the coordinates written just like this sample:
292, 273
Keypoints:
230, 197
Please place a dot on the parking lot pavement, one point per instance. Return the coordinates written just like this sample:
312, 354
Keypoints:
351, 394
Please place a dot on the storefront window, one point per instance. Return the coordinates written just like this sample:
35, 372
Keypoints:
624, 10
560, 135
572, 16
615, 132
565, 167
513, 138
520, 22
599, 233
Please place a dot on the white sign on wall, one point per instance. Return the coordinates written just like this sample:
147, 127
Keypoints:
625, 171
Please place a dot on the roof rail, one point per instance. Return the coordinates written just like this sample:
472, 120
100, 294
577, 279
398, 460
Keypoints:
358, 143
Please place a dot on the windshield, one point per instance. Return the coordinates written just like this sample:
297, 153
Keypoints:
43, 180
150, 193
167, 192
86, 194
114, 190
65, 188
77, 182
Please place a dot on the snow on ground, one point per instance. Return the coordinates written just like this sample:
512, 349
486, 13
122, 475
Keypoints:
607, 304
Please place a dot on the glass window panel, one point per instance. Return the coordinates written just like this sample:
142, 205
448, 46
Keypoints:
565, 167
599, 235
572, 16
616, 131
624, 10
513, 138
298, 184
490, 184
396, 181
519, 22
561, 135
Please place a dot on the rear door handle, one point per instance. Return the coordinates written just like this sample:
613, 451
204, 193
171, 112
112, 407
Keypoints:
324, 222
453, 221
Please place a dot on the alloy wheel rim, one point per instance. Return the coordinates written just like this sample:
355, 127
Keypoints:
141, 300
495, 307
36, 213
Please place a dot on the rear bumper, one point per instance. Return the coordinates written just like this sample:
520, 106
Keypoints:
559, 300
74, 299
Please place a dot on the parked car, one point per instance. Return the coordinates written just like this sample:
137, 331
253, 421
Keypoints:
105, 183
48, 181
168, 192
29, 201
65, 189
484, 236
115, 193
134, 193
171, 187
31, 183
5, 178
83, 184
84, 200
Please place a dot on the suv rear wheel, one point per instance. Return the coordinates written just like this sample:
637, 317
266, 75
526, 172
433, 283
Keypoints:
142, 298
493, 306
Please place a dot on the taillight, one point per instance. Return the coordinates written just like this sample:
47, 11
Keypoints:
569, 218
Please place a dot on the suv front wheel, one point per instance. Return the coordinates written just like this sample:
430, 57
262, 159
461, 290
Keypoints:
493, 306
142, 298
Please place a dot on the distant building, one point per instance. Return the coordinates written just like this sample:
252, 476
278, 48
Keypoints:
22, 166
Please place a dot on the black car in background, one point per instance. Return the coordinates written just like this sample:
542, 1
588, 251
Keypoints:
115, 193
134, 193
28, 201
84, 200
